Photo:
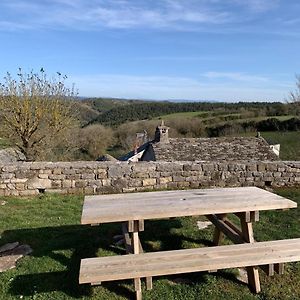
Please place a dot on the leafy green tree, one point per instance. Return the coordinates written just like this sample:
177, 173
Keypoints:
35, 110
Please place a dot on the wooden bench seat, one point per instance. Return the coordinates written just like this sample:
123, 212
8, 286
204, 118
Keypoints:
132, 266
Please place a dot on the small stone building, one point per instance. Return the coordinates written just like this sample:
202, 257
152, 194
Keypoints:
163, 148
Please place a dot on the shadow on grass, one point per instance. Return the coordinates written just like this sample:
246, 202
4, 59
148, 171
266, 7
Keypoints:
47, 242
87, 241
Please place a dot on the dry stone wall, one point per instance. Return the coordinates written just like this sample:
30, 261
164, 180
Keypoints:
31, 178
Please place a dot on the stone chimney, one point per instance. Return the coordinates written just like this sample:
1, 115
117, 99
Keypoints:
162, 133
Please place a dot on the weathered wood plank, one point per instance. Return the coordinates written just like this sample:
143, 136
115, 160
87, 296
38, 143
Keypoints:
152, 205
188, 260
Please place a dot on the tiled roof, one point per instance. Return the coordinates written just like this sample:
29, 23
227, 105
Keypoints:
214, 149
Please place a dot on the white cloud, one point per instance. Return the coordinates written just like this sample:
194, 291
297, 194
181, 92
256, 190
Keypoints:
236, 76
95, 14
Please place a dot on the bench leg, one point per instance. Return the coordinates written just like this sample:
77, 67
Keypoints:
279, 268
252, 272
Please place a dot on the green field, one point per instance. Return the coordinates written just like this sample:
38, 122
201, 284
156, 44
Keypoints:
218, 118
189, 114
289, 143
50, 224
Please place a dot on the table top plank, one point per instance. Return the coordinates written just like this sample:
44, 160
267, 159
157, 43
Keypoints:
177, 203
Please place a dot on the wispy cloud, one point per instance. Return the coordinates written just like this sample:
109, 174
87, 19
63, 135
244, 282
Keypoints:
97, 14
235, 76
258, 5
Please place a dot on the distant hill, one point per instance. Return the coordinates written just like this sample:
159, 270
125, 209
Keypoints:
89, 109
134, 111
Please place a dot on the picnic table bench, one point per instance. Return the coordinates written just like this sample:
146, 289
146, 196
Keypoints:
215, 204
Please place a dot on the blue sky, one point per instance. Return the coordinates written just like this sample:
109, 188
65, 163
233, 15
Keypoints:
228, 50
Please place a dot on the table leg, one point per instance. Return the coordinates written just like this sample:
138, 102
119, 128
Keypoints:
135, 227
252, 272
218, 234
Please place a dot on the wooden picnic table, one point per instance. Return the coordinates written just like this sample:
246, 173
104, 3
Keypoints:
132, 209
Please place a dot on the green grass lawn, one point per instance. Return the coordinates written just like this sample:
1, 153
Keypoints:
50, 224
289, 143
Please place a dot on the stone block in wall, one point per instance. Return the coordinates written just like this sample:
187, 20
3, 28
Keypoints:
43, 176
18, 180
119, 184
100, 174
271, 167
194, 184
9, 168
160, 186
178, 178
87, 176
192, 167
94, 183
154, 174
169, 167
7, 175
38, 183
208, 167
149, 181
145, 189
25, 174
80, 183
183, 185
57, 171
56, 176
20, 186
119, 170
128, 190
132, 182
261, 167
106, 182
73, 177
142, 167
172, 185
251, 167
139, 175
165, 174
164, 180
277, 174
56, 184
69, 172
223, 166
89, 190
45, 171
68, 183
11, 186
107, 190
